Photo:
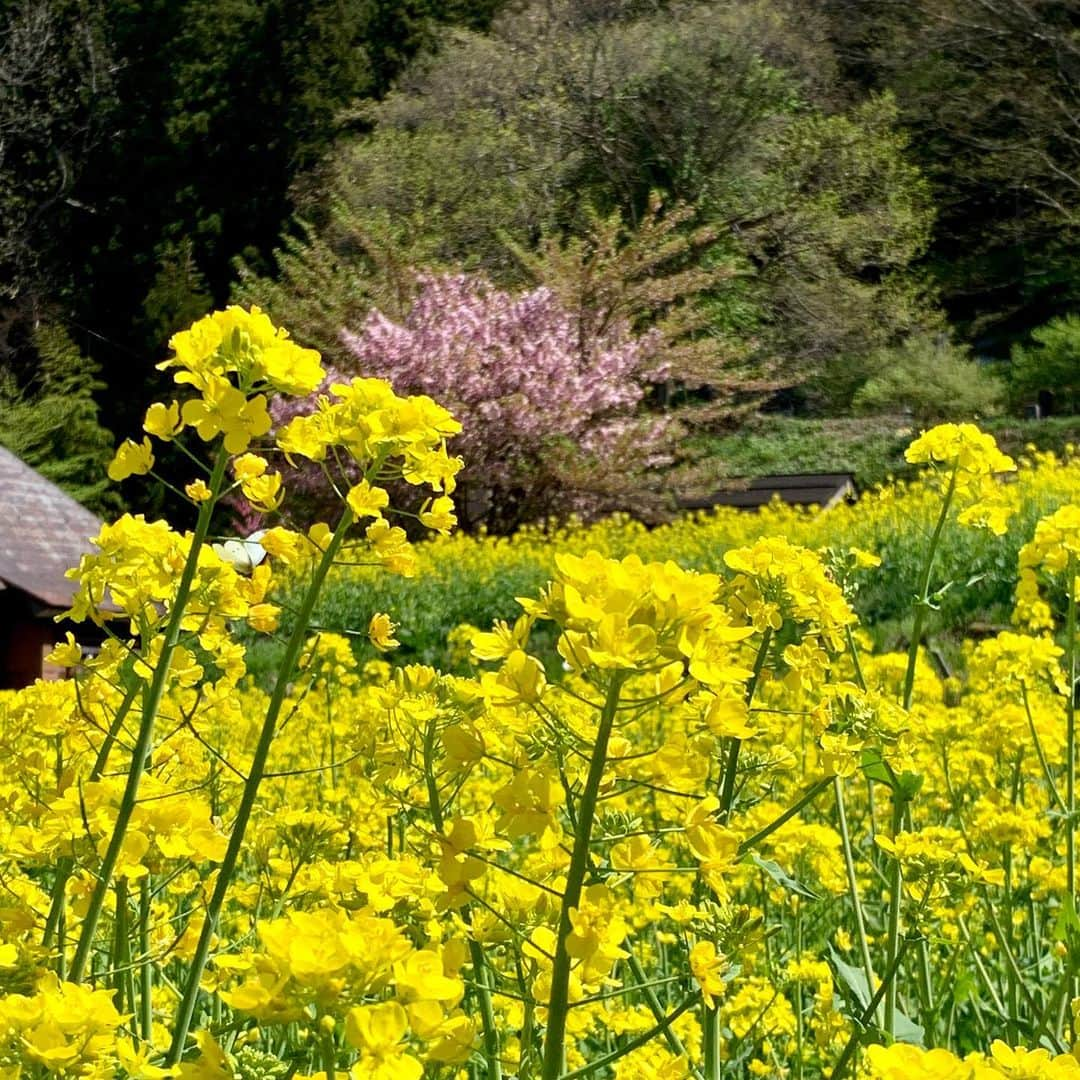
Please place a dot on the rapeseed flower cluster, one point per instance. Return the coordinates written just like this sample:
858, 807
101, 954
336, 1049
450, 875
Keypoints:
671, 818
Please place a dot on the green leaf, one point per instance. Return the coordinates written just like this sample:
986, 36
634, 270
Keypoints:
854, 978
874, 768
909, 784
906, 1030
1067, 925
783, 879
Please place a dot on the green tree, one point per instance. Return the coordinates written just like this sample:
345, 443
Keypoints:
55, 88
52, 423
990, 92
211, 109
931, 379
1049, 361
498, 140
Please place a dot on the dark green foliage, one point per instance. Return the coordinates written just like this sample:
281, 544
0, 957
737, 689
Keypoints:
770, 444
52, 424
989, 92
1050, 361
566, 111
871, 448
931, 380
56, 88
145, 144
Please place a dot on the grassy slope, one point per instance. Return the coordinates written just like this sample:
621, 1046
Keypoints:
872, 448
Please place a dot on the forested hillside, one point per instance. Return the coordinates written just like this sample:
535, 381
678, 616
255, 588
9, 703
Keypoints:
809, 207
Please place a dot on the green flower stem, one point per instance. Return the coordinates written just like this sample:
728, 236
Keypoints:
893, 949
121, 957
144, 742
800, 1020
853, 884
843, 1064
559, 998
727, 783
674, 1042
710, 1038
1070, 732
639, 1040
492, 1052
980, 970
146, 969
778, 822
65, 865
227, 871
329, 1054
487, 1010
922, 603
927, 985
1053, 1004
860, 680
1037, 742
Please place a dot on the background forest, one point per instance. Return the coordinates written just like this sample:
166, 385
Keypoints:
693, 239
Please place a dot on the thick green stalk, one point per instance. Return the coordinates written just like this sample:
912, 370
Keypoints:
144, 742
186, 1009
922, 604
492, 1052
892, 947
727, 783
66, 864
146, 970
710, 1038
559, 998
853, 884
1070, 733
121, 953
329, 1054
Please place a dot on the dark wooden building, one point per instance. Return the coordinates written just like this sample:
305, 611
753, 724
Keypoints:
824, 490
43, 532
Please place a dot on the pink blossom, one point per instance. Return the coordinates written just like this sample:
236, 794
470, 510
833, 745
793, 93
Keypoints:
552, 418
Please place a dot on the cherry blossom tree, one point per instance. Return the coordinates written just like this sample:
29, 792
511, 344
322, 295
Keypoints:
554, 413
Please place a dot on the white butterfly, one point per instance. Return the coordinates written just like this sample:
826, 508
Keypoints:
244, 555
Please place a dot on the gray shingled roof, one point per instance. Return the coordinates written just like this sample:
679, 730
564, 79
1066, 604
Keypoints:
43, 532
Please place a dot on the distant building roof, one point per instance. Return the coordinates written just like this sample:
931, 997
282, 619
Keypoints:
43, 532
796, 489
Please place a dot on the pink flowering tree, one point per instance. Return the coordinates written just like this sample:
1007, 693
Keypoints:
552, 411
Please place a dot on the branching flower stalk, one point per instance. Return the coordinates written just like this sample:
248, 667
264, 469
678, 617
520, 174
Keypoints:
190, 994
492, 1053
922, 601
1070, 727
559, 998
145, 740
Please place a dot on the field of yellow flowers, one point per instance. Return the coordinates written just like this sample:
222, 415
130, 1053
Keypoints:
723, 839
